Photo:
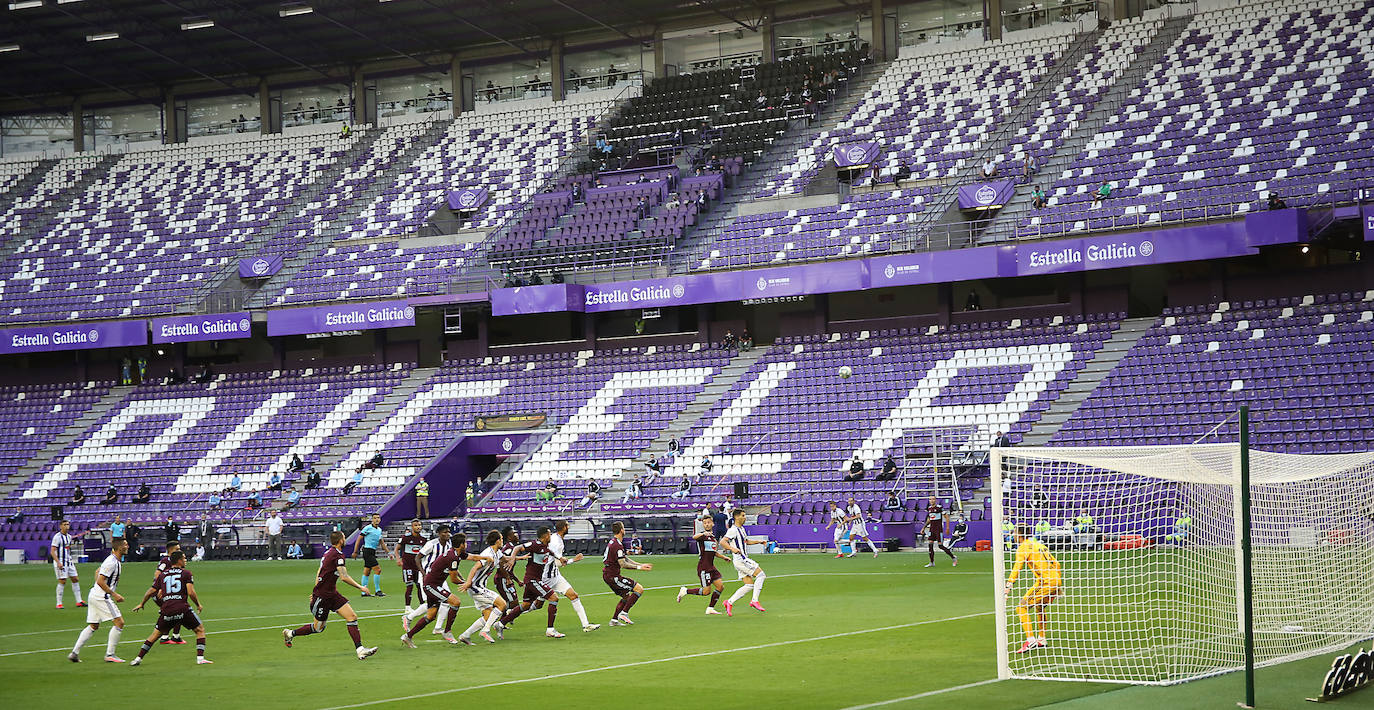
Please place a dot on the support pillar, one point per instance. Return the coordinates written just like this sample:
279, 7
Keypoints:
358, 91
877, 41
556, 70
455, 78
660, 56
992, 20
264, 107
78, 127
172, 120
766, 31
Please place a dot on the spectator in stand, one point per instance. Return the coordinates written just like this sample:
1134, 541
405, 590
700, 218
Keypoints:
652, 467
144, 493
273, 526
893, 502
903, 172
111, 496
1039, 499
746, 341
889, 472
1028, 165
312, 480
1000, 440
672, 445
549, 492
422, 498
760, 102
636, 547
357, 481
15, 519
117, 527
491, 91
633, 491
642, 208
1038, 199
684, 488
234, 483
78, 496
213, 502
856, 471
274, 483
1276, 202
376, 462
989, 169
974, 302
294, 551
706, 465
171, 531
729, 341
205, 374
297, 465
1102, 193
293, 499
254, 500
593, 494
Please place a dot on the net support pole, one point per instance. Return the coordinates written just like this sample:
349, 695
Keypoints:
1247, 593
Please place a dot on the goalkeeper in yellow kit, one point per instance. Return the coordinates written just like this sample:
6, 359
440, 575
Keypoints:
1049, 584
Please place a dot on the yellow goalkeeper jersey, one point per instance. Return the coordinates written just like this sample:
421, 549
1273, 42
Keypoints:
1036, 555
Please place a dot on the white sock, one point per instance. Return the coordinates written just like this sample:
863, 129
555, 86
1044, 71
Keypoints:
581, 613
491, 619
743, 590
60, 589
476, 626
758, 584
113, 641
419, 611
442, 618
81, 640
872, 547
76, 589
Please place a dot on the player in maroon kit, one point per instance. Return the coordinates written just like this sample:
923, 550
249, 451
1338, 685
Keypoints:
175, 589
409, 547
936, 518
506, 585
627, 589
538, 578
164, 564
435, 591
707, 574
325, 598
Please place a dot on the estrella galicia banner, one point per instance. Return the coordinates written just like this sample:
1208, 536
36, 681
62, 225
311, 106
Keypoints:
74, 336
213, 326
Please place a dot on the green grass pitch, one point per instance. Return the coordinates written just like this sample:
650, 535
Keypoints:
846, 633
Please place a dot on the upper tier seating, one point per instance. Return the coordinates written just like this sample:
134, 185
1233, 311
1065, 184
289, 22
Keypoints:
11, 172
32, 415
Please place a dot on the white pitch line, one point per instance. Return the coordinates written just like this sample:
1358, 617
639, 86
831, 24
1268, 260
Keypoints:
653, 661
918, 696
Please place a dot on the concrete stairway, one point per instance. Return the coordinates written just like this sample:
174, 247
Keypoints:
26, 184
1092, 374
738, 366
349, 442
1004, 225
60, 443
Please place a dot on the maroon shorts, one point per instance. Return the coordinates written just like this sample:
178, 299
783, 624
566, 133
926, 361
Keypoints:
536, 589
708, 576
320, 607
434, 596
618, 584
410, 576
508, 590
184, 617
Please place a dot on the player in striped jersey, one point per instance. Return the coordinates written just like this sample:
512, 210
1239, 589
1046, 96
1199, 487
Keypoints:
104, 597
560, 585
749, 571
64, 562
429, 552
490, 607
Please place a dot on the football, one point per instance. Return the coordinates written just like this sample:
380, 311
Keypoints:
845, 372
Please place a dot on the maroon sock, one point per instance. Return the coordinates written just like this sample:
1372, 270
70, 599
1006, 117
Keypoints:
511, 614
630, 600
553, 611
304, 630
408, 588
424, 621
619, 607
697, 591
931, 549
355, 634
448, 622
715, 597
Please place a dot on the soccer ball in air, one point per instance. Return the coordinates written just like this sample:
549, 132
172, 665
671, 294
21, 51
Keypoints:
845, 372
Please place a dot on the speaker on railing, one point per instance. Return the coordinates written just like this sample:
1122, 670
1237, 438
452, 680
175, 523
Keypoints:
55, 512
741, 490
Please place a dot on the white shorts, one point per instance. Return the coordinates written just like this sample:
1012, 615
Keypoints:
746, 568
100, 609
560, 585
67, 571
483, 598
858, 530
841, 533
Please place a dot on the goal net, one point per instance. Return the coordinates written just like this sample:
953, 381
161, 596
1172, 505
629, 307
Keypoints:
1147, 541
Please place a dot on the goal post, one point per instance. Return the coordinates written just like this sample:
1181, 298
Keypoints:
1148, 542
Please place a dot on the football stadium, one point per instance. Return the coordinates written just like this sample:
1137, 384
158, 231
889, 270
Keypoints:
741, 353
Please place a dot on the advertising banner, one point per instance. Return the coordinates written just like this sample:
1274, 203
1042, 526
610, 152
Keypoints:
986, 195
849, 155
466, 199
340, 316
73, 336
259, 267
214, 326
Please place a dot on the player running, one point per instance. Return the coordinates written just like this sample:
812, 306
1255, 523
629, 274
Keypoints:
429, 552
164, 564
627, 589
1048, 585
490, 607
838, 521
325, 598
936, 519
857, 529
103, 600
174, 588
538, 578
407, 548
707, 552
436, 593
64, 562
369, 537
506, 585
749, 571
560, 585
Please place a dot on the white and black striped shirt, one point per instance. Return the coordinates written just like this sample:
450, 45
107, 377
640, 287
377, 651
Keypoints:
109, 569
483, 573
63, 542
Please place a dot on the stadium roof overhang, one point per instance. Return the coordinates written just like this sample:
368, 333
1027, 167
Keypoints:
132, 51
